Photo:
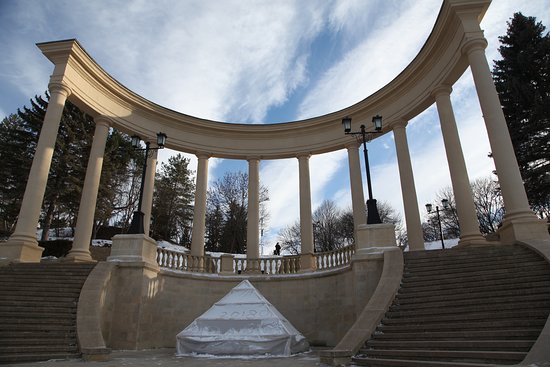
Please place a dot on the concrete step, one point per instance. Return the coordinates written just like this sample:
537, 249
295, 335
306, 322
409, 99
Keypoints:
478, 274
504, 324
465, 282
464, 298
468, 306
468, 317
460, 268
496, 357
454, 263
480, 286
47, 334
35, 357
381, 362
52, 297
496, 334
458, 253
39, 312
31, 320
470, 260
456, 345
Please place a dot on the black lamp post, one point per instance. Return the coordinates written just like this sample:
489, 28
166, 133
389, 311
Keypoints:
429, 208
363, 136
136, 227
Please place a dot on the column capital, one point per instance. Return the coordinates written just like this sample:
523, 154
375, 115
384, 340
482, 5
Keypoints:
400, 124
203, 155
303, 156
479, 43
353, 145
253, 158
57, 87
442, 90
103, 120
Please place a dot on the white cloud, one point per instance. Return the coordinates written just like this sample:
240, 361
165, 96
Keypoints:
383, 54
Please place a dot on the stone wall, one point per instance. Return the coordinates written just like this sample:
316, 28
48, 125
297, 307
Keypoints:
149, 307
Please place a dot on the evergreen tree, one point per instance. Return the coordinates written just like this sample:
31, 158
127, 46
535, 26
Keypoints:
522, 79
172, 210
19, 135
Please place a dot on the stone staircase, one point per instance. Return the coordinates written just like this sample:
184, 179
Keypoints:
463, 307
38, 310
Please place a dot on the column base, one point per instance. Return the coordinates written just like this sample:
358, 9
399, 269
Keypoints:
523, 228
475, 239
79, 256
21, 249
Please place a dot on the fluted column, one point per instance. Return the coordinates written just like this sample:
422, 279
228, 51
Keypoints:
356, 183
408, 189
22, 245
148, 190
519, 221
467, 217
80, 250
199, 210
253, 222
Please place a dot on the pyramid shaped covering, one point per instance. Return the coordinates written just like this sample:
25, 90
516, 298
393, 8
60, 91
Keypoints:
243, 322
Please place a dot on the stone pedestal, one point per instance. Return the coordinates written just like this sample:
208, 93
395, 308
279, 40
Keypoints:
226, 267
374, 238
134, 248
307, 263
20, 251
523, 229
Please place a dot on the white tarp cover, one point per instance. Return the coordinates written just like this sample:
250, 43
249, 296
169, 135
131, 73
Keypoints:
243, 322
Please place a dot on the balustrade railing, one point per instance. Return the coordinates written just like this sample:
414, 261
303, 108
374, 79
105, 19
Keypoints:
268, 265
186, 262
275, 265
334, 259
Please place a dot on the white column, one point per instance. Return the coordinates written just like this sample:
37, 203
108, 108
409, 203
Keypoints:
467, 217
253, 222
306, 222
80, 250
356, 183
148, 190
199, 210
307, 257
408, 189
22, 244
519, 221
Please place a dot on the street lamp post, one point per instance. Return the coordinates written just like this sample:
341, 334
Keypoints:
429, 207
136, 227
364, 136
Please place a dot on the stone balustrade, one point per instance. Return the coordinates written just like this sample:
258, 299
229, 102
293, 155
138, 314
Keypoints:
185, 262
334, 259
273, 265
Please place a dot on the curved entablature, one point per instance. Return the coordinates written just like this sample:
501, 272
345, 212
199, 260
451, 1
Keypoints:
439, 62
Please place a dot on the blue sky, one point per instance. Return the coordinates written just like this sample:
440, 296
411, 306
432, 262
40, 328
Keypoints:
263, 61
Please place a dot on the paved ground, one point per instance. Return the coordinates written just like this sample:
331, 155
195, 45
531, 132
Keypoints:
166, 358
